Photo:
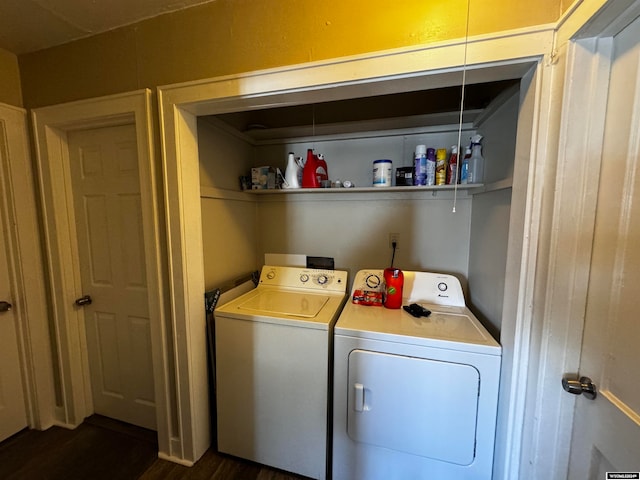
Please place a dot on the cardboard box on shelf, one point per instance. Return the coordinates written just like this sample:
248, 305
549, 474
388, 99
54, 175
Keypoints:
263, 178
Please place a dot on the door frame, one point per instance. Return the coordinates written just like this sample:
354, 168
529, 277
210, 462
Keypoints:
511, 54
51, 125
587, 47
27, 276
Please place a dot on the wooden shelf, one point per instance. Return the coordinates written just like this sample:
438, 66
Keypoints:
248, 195
436, 188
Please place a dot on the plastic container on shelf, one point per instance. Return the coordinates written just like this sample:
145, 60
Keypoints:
420, 165
309, 176
394, 283
476, 162
382, 173
464, 167
452, 167
292, 172
431, 166
322, 171
441, 166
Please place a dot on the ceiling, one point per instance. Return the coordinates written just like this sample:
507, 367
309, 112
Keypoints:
31, 25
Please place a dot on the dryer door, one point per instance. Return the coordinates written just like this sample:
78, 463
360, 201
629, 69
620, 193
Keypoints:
413, 405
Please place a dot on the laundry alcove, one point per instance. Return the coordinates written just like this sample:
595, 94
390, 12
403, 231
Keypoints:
218, 232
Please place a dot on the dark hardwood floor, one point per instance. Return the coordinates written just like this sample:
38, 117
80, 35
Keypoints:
105, 449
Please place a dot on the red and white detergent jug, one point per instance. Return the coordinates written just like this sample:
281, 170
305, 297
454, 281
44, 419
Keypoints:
309, 177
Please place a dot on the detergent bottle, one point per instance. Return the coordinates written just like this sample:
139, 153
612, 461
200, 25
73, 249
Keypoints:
322, 172
309, 175
291, 172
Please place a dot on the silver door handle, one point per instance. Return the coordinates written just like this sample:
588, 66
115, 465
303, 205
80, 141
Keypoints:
582, 386
5, 306
82, 301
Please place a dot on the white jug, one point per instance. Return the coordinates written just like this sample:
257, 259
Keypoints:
292, 173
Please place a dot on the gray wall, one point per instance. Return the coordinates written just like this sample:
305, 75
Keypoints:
229, 227
354, 227
490, 218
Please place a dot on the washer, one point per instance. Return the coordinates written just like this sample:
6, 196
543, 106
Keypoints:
273, 361
414, 397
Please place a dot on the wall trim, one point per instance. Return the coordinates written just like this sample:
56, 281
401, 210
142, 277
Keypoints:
28, 277
504, 55
51, 125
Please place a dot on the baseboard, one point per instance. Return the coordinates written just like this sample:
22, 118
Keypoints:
179, 461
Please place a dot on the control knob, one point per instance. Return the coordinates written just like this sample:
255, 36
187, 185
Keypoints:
372, 281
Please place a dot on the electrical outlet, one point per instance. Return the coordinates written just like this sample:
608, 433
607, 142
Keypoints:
394, 237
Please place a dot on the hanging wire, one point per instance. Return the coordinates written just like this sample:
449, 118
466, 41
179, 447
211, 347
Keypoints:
462, 93
313, 127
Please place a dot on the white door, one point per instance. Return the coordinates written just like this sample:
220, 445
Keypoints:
435, 421
606, 433
13, 416
106, 190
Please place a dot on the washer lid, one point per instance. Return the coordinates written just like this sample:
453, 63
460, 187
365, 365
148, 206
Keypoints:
277, 302
293, 307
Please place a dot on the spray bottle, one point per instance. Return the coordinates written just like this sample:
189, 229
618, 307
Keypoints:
420, 165
452, 167
441, 166
464, 167
431, 166
476, 162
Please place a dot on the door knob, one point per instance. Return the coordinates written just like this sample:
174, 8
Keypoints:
5, 306
584, 385
82, 301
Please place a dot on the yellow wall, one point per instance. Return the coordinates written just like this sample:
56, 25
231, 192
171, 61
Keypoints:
231, 36
10, 92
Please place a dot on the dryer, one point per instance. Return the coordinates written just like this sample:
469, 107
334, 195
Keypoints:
414, 397
273, 357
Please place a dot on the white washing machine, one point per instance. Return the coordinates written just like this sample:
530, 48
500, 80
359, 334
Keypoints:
414, 398
273, 362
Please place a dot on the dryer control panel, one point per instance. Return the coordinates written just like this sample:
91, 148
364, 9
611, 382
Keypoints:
308, 278
419, 287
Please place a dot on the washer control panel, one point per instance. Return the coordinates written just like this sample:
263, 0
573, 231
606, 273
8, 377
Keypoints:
299, 277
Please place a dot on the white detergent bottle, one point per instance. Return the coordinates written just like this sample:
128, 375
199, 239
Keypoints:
476, 162
292, 172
